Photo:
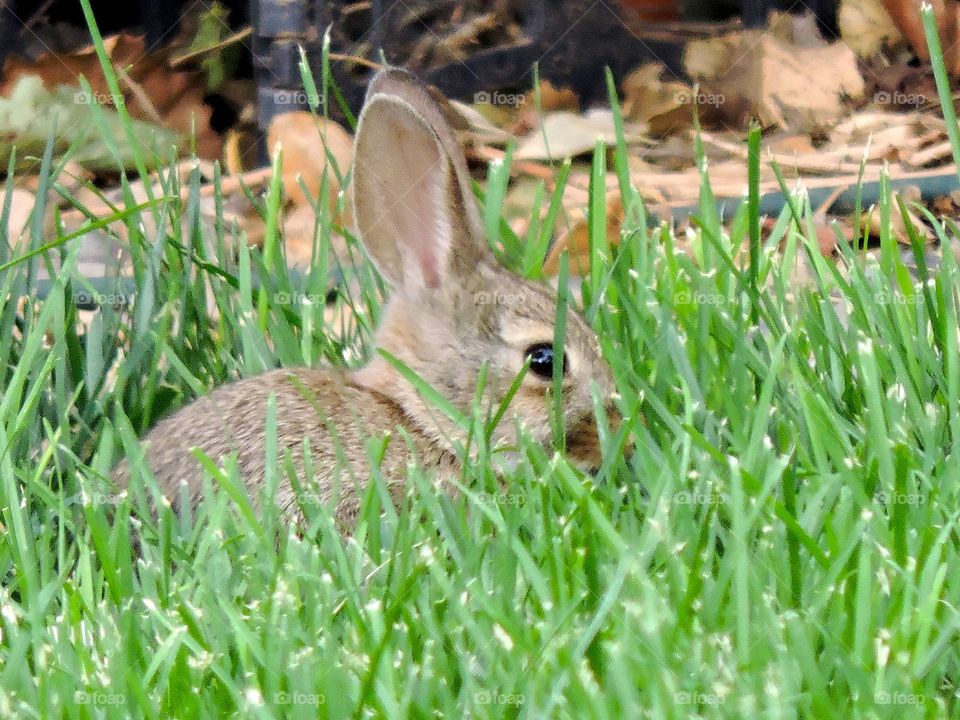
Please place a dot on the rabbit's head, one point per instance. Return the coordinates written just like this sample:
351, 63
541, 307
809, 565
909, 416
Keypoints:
453, 307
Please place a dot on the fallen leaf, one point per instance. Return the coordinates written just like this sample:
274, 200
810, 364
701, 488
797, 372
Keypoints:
664, 105
151, 90
909, 195
480, 130
906, 15
866, 27
307, 144
784, 84
565, 134
576, 240
552, 99
30, 113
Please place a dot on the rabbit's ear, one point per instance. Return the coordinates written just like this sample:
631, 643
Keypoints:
414, 210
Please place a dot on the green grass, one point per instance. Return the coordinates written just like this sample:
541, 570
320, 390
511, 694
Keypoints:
782, 542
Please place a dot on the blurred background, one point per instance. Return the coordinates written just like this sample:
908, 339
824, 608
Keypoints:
832, 84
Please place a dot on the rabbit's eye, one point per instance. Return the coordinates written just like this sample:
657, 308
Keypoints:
541, 360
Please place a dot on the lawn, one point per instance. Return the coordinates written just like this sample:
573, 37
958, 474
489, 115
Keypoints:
779, 543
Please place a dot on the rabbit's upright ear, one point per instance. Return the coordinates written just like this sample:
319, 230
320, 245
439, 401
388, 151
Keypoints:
411, 189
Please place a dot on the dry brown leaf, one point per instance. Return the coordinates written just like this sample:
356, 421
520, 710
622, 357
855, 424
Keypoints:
791, 144
909, 195
826, 237
309, 147
240, 148
479, 129
517, 167
653, 10
552, 99
906, 15
307, 143
647, 96
566, 134
785, 84
576, 240
866, 27
152, 91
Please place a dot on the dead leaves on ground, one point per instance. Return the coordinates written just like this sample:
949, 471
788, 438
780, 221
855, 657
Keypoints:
827, 113
315, 154
826, 110
775, 78
151, 89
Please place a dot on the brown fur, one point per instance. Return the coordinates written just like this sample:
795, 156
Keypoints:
453, 309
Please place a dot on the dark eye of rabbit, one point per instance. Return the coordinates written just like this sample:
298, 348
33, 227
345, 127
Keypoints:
541, 360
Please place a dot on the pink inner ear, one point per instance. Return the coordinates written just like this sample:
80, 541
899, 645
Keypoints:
428, 265
421, 209
403, 194
415, 226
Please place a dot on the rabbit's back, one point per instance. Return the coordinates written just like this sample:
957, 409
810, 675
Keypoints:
324, 408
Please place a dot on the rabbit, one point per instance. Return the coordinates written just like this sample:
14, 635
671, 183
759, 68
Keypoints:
452, 308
